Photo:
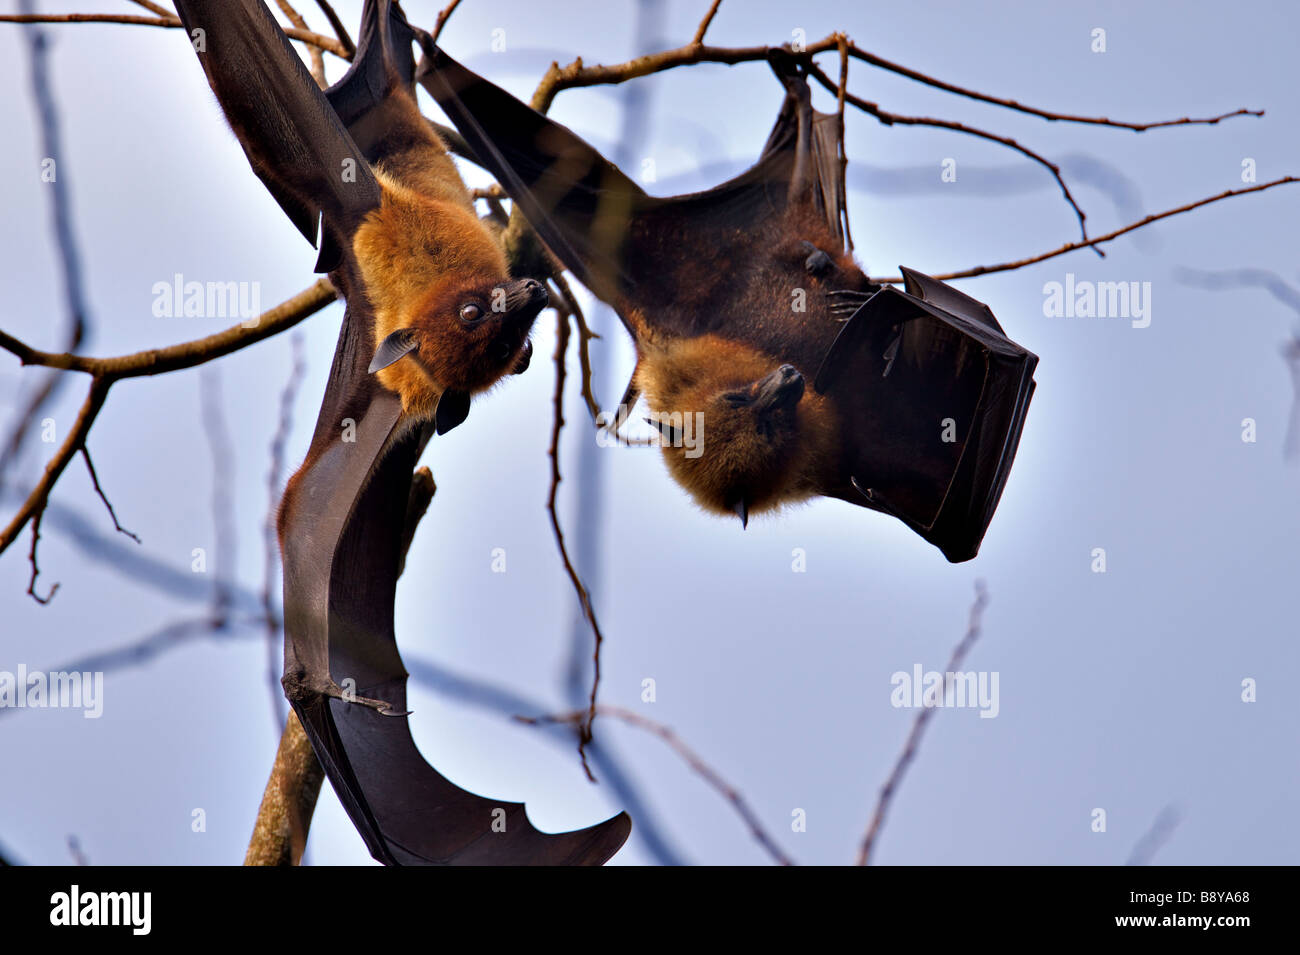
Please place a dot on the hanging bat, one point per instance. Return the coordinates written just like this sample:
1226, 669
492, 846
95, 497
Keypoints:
431, 309
750, 317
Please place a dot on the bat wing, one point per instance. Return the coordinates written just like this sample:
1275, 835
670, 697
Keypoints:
341, 533
937, 396
632, 249
343, 515
294, 140
384, 59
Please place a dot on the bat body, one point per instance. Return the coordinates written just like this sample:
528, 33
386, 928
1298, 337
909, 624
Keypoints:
432, 317
909, 402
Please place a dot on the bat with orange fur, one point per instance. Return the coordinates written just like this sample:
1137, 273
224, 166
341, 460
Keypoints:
432, 318
750, 317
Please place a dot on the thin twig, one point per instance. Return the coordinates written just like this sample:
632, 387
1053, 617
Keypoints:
31, 557
1154, 839
153, 7
884, 64
844, 155
154, 361
1109, 236
585, 335
270, 543
78, 854
692, 759
923, 717
890, 119
94, 479
223, 479
443, 16
64, 236
698, 39
314, 52
561, 348
329, 44
337, 26
71, 444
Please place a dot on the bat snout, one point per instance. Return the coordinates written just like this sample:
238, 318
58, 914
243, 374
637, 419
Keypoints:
781, 389
524, 298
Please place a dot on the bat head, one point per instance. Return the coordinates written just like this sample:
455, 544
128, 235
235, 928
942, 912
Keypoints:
740, 430
442, 295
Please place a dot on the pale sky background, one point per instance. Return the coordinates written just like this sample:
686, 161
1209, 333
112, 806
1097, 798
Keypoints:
1119, 691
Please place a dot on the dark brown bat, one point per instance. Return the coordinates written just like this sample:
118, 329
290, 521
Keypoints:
402, 244
808, 378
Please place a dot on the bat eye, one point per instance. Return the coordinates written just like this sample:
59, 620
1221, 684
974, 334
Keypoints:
470, 312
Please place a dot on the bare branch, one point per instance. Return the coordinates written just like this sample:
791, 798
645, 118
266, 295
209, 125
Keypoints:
884, 64
339, 29
64, 235
158, 361
153, 8
1154, 839
890, 119
78, 854
284, 817
31, 556
585, 335
698, 39
222, 449
443, 16
35, 502
923, 717
1108, 237
326, 43
841, 93
94, 479
561, 348
692, 759
158, 21
270, 543
313, 52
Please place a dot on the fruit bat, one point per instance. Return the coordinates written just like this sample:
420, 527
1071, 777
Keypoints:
401, 241
749, 317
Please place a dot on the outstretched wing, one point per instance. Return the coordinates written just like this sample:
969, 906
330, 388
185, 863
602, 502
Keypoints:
632, 249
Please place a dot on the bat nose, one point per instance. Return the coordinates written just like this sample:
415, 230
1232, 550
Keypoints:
783, 388
525, 297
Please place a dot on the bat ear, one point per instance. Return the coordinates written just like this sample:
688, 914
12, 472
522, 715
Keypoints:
395, 346
453, 408
742, 511
524, 360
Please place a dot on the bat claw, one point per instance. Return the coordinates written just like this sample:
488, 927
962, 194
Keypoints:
382, 707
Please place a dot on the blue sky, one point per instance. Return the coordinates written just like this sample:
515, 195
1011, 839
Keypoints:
1119, 691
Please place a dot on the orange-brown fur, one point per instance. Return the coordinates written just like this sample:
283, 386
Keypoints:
423, 254
781, 464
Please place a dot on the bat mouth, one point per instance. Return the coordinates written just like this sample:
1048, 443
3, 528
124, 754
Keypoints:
781, 390
524, 299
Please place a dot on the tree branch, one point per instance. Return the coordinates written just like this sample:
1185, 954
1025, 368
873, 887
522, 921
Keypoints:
923, 717
1108, 237
692, 759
